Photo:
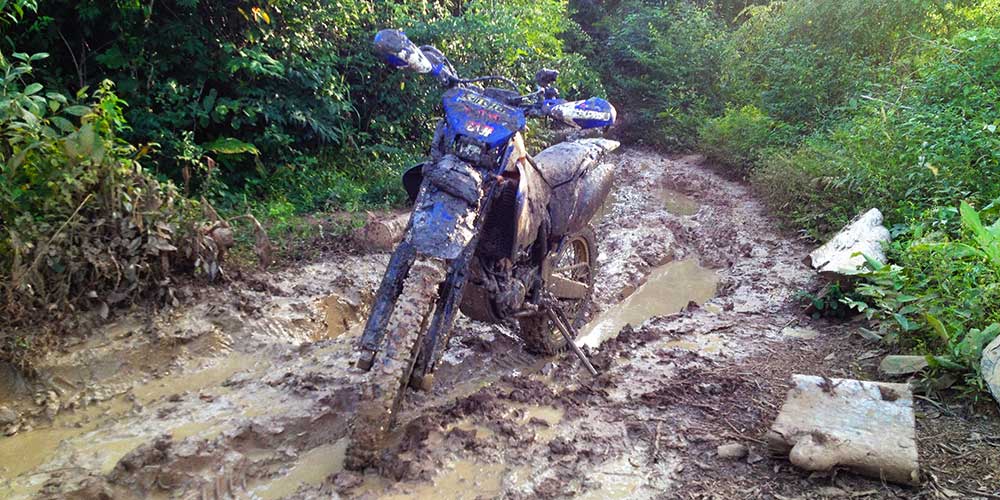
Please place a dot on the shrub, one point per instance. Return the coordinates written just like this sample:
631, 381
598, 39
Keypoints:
740, 137
800, 60
662, 64
941, 295
807, 185
236, 93
82, 225
938, 145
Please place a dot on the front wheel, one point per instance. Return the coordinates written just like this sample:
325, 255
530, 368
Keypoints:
568, 275
382, 394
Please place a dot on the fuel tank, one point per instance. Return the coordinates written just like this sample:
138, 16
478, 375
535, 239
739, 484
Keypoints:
579, 181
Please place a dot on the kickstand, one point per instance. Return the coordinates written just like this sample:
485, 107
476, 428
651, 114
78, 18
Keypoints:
569, 332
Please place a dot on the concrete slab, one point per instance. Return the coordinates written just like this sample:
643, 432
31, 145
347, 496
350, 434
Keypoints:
844, 253
990, 367
868, 427
902, 365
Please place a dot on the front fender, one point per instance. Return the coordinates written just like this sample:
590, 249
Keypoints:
445, 212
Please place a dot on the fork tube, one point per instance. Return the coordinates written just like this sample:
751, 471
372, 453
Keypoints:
451, 296
388, 292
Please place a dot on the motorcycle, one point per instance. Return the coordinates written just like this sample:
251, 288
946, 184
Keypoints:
494, 232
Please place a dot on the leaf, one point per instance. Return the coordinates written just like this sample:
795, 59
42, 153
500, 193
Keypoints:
944, 362
77, 110
874, 264
938, 327
63, 124
33, 89
230, 146
963, 250
904, 323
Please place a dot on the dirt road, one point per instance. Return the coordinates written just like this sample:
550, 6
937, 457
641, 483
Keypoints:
247, 391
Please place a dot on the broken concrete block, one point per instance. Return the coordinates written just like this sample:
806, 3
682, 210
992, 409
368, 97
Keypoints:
990, 367
902, 365
844, 254
866, 426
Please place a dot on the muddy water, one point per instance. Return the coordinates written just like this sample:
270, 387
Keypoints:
464, 480
673, 201
340, 315
313, 468
668, 290
677, 203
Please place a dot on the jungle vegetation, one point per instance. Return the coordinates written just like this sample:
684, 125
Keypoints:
131, 132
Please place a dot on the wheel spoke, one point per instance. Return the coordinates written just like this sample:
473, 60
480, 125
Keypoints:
570, 268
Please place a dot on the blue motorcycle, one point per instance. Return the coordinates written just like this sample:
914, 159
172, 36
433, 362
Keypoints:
496, 233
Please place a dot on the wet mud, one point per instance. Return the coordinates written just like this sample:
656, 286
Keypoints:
248, 391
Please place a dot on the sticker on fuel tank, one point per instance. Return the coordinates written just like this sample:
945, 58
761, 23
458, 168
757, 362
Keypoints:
478, 128
483, 102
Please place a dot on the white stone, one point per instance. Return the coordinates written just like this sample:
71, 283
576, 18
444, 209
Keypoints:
902, 365
866, 426
844, 254
990, 366
732, 451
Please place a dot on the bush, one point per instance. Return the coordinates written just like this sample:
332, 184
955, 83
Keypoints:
662, 64
740, 137
933, 148
942, 294
807, 186
240, 93
82, 225
798, 61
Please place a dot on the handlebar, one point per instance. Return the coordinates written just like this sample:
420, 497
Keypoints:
397, 50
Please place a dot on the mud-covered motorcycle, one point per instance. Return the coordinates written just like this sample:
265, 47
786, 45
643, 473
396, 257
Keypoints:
499, 234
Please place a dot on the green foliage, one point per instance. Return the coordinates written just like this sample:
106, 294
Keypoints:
934, 146
831, 302
236, 94
800, 60
81, 223
941, 295
740, 137
662, 61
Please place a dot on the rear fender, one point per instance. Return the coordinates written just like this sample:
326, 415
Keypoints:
446, 209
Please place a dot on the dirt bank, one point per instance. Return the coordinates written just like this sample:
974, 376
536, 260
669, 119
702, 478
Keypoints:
248, 391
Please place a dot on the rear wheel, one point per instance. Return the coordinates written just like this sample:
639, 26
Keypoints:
382, 394
569, 277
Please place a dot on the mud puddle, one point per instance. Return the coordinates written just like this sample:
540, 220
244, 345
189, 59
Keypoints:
668, 290
674, 202
462, 480
340, 315
312, 469
678, 203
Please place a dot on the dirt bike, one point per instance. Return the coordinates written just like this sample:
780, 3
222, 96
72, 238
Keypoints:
494, 232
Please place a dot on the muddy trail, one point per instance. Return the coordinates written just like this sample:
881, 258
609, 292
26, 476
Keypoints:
248, 392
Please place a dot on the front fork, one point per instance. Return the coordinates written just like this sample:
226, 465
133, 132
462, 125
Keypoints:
385, 301
449, 299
